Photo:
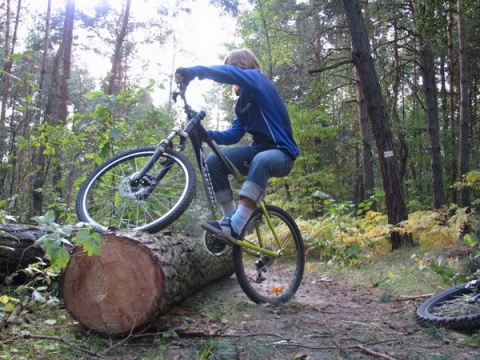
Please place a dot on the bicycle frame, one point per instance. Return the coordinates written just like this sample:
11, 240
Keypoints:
197, 134
473, 285
199, 137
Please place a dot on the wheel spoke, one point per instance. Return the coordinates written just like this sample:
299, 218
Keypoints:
108, 198
264, 278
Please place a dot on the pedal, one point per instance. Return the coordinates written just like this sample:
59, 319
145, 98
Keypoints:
214, 243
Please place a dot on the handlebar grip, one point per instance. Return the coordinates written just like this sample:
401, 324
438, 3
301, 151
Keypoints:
199, 116
179, 92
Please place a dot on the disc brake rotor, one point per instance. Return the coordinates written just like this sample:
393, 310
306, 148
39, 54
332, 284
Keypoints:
137, 192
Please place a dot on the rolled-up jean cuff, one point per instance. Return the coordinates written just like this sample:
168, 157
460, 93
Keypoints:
252, 191
224, 196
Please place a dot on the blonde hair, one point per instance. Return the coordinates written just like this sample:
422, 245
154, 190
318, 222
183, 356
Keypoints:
243, 58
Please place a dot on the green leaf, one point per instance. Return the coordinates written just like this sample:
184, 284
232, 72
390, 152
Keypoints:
90, 241
94, 94
9, 307
66, 230
470, 240
15, 56
47, 219
115, 134
59, 257
34, 85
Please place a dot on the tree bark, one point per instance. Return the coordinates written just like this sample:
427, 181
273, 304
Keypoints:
117, 56
57, 106
403, 151
18, 249
136, 277
452, 146
427, 68
10, 41
363, 61
367, 164
430, 90
464, 117
5, 88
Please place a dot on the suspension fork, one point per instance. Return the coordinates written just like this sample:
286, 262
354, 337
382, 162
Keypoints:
161, 148
195, 120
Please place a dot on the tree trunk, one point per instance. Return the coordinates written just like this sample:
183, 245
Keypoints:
136, 277
403, 151
453, 148
117, 56
6, 88
56, 112
431, 97
427, 68
5, 76
464, 118
362, 59
17, 249
43, 66
367, 164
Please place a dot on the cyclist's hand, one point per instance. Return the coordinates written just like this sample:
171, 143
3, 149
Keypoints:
183, 77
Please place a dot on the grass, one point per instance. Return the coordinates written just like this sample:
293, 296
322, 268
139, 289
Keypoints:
402, 272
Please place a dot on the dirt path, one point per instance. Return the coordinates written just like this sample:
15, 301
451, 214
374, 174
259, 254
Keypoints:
326, 320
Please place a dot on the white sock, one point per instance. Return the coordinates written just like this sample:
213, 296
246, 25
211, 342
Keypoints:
228, 208
240, 218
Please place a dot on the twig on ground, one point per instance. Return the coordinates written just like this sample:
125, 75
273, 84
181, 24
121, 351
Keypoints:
62, 340
371, 352
337, 345
414, 297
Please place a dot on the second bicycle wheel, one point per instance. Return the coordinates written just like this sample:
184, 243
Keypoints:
263, 278
452, 309
108, 199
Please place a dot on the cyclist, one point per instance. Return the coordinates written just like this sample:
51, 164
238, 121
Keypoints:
261, 112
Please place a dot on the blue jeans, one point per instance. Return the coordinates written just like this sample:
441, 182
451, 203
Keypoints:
257, 166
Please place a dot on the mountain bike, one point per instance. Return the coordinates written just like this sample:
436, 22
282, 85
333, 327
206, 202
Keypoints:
148, 188
455, 308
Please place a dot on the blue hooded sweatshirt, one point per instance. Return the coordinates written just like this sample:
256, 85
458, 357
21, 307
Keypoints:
260, 111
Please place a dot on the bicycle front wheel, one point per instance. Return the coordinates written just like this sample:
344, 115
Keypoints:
451, 309
107, 199
263, 278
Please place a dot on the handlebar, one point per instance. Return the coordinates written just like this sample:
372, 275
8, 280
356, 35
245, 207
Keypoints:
180, 91
194, 116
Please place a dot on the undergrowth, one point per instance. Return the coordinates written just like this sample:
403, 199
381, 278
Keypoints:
340, 245
343, 237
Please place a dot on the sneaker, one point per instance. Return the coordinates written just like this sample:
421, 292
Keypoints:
221, 228
213, 244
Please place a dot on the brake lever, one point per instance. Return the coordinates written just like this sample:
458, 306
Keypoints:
175, 95
180, 91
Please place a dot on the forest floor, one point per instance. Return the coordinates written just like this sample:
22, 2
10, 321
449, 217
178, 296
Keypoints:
328, 319
362, 312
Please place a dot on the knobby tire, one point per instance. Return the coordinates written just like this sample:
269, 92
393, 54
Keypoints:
265, 279
448, 309
108, 201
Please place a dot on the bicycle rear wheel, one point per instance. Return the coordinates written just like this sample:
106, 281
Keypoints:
451, 310
107, 198
263, 278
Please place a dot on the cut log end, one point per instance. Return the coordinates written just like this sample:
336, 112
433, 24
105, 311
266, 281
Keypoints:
114, 292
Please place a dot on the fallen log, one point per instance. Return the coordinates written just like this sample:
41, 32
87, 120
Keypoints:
136, 277
18, 249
